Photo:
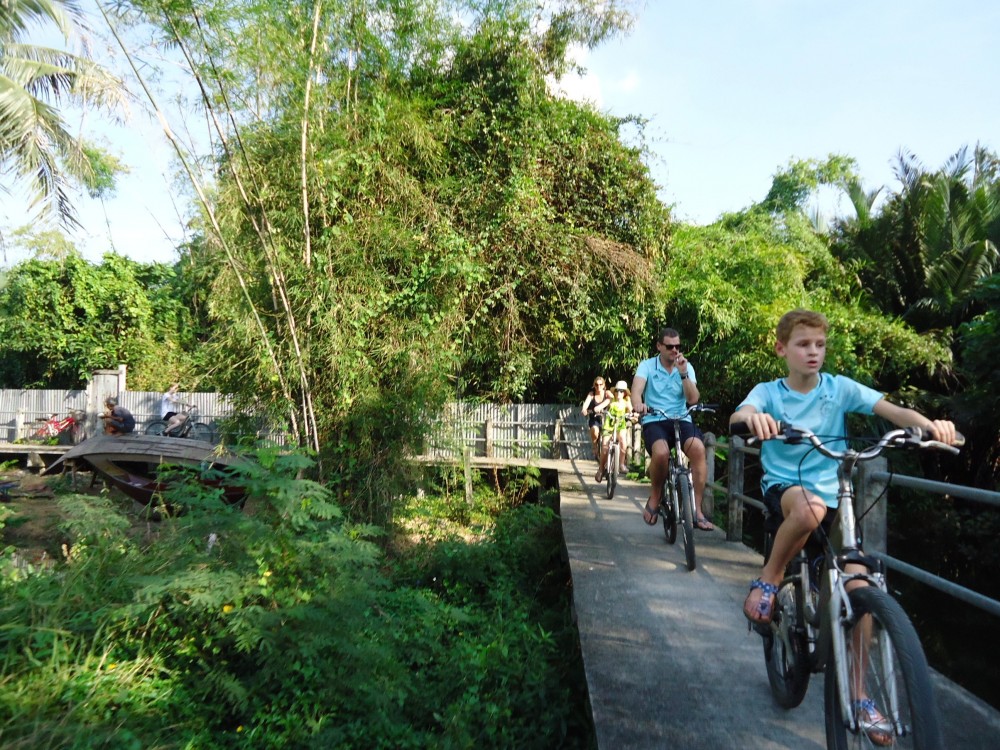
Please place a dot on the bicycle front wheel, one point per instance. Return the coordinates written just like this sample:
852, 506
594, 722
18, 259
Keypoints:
156, 428
201, 431
667, 505
889, 684
611, 470
685, 497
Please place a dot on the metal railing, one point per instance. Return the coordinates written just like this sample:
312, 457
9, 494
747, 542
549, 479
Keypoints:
871, 481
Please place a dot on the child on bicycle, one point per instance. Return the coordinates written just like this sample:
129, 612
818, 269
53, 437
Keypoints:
799, 483
615, 422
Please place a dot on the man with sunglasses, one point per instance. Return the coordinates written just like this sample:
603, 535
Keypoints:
667, 382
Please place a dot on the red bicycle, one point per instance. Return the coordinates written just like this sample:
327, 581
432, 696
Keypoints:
54, 428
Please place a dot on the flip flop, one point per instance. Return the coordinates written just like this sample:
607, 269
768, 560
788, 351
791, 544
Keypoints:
704, 524
762, 611
652, 514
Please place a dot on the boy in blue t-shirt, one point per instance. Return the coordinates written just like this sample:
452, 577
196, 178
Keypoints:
800, 482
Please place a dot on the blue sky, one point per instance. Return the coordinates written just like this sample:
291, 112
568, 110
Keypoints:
733, 90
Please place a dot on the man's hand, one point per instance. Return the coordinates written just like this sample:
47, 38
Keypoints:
682, 364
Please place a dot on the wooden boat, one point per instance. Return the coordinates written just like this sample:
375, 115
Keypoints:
135, 463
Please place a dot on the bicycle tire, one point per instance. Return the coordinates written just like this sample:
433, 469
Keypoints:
611, 470
667, 507
156, 428
202, 432
685, 496
894, 664
786, 653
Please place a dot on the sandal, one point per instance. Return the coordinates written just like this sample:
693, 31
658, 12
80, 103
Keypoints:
873, 723
649, 515
599, 477
704, 524
761, 612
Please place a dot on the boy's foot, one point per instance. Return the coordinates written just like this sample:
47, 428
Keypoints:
649, 514
873, 723
760, 609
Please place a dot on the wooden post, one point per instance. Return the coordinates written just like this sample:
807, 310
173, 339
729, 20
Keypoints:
467, 466
708, 501
734, 530
871, 494
19, 431
557, 439
489, 438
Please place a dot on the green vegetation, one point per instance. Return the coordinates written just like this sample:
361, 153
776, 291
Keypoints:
288, 626
401, 214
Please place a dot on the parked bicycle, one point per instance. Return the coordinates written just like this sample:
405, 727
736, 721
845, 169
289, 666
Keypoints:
862, 638
55, 428
677, 506
185, 427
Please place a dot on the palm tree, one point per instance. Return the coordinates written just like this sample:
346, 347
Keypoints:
35, 146
923, 255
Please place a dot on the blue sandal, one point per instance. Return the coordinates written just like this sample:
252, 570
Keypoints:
872, 722
763, 611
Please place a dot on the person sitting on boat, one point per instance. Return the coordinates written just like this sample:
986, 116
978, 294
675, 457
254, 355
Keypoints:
117, 419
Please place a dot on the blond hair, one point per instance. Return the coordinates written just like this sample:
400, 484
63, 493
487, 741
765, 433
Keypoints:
800, 317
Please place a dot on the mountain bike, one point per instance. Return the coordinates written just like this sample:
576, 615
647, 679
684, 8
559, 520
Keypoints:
677, 503
612, 463
877, 688
186, 428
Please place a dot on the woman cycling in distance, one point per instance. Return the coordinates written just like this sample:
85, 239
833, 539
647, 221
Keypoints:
617, 416
598, 399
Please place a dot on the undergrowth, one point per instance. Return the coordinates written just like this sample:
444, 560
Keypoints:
291, 627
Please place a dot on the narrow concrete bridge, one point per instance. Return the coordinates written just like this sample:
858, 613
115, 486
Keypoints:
668, 658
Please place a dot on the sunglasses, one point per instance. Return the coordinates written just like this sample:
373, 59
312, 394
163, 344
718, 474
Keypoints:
671, 346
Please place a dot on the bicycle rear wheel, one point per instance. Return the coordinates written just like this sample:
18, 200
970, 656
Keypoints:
785, 650
667, 506
611, 470
886, 664
156, 428
685, 496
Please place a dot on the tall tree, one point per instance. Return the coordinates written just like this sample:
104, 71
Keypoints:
403, 213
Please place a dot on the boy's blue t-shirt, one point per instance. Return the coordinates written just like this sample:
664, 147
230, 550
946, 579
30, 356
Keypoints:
664, 390
822, 410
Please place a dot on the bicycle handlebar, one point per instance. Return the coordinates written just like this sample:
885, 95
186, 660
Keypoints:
900, 437
710, 408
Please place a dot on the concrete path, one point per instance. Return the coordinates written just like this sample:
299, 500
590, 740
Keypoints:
668, 657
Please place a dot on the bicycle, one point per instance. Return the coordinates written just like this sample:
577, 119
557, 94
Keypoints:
186, 428
862, 638
677, 500
612, 463
54, 428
